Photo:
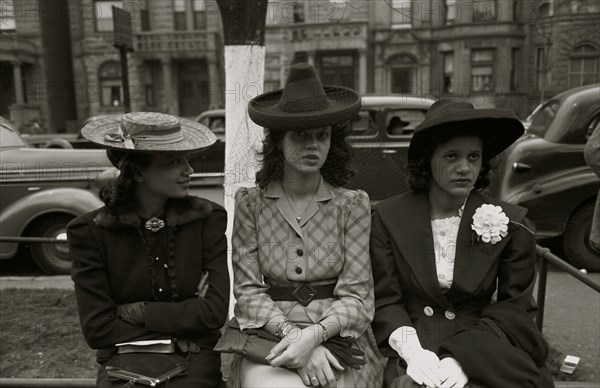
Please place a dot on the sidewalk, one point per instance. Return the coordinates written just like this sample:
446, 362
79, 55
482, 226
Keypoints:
36, 282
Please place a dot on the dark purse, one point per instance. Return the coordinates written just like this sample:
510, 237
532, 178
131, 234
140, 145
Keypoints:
256, 344
148, 368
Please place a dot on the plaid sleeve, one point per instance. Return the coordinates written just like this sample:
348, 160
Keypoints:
354, 309
254, 308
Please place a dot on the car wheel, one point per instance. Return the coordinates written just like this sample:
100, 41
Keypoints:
53, 259
576, 239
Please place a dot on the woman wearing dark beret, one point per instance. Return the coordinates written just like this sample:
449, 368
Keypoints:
150, 267
443, 252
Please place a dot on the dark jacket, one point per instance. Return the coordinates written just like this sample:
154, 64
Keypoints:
112, 265
406, 285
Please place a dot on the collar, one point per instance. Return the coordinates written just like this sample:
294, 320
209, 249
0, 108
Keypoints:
180, 211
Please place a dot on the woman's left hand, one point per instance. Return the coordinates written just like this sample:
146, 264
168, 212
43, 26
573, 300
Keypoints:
133, 313
455, 377
294, 350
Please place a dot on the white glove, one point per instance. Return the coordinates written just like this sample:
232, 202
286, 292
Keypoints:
455, 376
423, 366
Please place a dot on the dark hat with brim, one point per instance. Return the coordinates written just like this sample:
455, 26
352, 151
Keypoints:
304, 103
497, 128
149, 132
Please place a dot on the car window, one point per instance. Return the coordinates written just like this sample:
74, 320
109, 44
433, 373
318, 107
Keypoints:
365, 125
402, 122
543, 119
217, 124
594, 125
9, 137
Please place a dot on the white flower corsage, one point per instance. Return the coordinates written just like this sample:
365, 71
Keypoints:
490, 223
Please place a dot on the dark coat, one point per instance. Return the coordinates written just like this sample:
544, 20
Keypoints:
112, 265
406, 285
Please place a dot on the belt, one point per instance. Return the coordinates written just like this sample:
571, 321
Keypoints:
304, 293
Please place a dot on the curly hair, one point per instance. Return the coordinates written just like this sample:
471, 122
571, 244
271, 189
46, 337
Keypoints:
119, 194
419, 171
336, 170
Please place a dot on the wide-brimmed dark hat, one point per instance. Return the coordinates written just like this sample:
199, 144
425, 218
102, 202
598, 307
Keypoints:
498, 128
149, 132
304, 103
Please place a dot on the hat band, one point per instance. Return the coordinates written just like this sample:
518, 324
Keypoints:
130, 141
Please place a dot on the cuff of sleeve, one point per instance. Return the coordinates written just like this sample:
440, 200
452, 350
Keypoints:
332, 324
404, 339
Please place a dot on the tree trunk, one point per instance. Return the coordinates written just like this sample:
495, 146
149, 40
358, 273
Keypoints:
244, 38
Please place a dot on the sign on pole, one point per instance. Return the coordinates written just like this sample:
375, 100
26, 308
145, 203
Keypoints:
123, 42
122, 27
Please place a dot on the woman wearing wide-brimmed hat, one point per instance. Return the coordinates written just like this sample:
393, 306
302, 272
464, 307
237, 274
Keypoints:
151, 265
441, 251
302, 274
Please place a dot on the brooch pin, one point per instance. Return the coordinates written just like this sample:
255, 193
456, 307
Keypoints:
155, 224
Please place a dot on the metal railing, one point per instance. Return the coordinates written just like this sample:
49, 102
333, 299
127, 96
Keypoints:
546, 256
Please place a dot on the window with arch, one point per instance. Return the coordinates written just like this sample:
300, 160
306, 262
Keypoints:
402, 71
583, 65
109, 79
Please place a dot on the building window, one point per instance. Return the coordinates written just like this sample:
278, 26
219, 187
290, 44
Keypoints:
583, 65
543, 75
7, 15
179, 17
145, 15
484, 11
482, 69
401, 14
298, 12
109, 78
585, 6
451, 11
104, 16
514, 61
448, 71
338, 70
402, 70
546, 8
199, 15
515, 10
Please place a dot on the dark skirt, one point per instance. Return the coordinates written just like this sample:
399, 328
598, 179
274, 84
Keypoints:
204, 370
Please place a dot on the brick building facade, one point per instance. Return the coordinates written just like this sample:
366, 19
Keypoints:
58, 63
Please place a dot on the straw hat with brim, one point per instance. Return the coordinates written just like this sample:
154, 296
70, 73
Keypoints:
149, 132
498, 128
304, 103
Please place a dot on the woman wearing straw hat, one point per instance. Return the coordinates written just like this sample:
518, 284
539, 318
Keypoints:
150, 267
442, 250
301, 263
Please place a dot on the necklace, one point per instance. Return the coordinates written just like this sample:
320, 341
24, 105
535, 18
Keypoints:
154, 224
299, 217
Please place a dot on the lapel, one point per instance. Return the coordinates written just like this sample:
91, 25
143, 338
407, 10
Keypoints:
275, 191
407, 218
474, 258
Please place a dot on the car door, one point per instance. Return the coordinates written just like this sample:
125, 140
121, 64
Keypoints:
378, 162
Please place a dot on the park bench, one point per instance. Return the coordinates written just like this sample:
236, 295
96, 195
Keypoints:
544, 254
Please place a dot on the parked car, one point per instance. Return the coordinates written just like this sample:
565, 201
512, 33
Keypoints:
545, 171
41, 191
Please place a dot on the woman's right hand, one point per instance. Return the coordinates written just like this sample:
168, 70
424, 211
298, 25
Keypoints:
319, 370
294, 350
424, 367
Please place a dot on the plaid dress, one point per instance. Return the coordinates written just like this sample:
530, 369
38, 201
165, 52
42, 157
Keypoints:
329, 244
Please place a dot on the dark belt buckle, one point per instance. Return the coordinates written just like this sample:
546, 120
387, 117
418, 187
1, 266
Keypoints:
304, 294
